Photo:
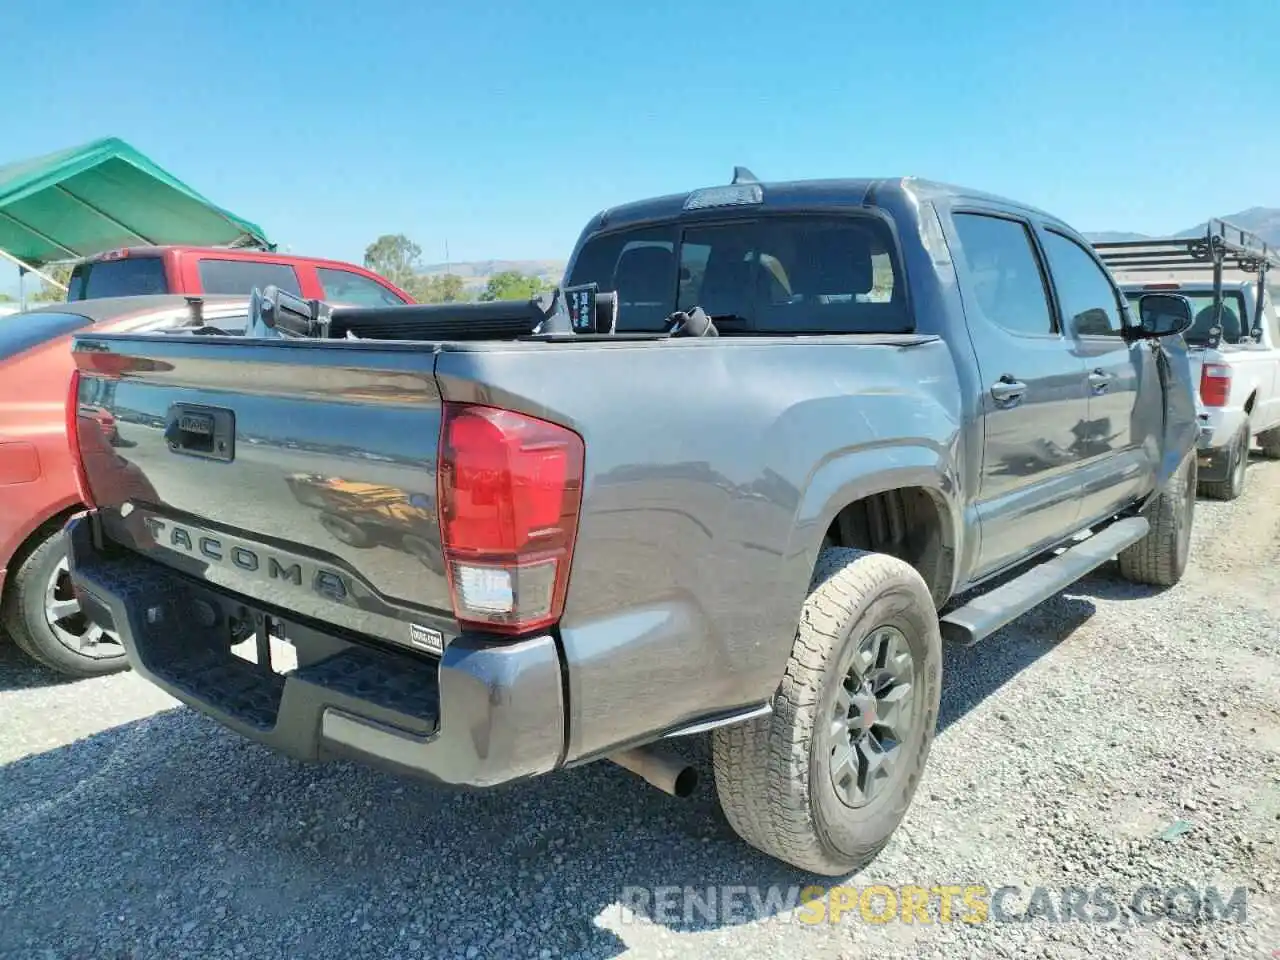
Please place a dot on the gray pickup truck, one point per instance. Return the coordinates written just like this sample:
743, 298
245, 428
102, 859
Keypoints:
908, 412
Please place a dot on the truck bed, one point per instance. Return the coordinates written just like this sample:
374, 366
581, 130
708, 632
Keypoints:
683, 520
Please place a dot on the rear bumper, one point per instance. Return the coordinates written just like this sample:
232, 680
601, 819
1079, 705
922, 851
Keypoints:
1218, 428
483, 714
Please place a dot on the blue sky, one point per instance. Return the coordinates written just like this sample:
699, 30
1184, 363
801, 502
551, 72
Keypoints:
500, 128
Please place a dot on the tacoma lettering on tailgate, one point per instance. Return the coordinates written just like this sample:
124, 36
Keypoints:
225, 551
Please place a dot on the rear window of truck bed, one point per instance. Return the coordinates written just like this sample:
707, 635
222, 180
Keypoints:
774, 275
1236, 321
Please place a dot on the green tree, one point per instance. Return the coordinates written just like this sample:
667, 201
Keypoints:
450, 288
445, 288
513, 285
48, 293
394, 256
5, 298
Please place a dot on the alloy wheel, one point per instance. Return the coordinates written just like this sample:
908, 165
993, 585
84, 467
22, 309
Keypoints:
872, 716
70, 626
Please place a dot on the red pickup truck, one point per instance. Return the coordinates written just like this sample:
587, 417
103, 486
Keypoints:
135, 271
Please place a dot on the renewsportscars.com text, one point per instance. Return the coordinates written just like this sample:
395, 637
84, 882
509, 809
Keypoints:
970, 903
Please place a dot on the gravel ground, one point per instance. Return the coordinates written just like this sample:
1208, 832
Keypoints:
130, 827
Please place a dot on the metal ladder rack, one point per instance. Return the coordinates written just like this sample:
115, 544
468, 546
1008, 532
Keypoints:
1222, 245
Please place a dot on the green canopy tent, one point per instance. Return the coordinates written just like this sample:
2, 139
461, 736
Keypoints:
103, 195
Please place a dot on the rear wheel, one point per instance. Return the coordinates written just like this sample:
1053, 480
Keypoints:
1269, 441
1160, 558
824, 780
346, 531
1237, 464
44, 617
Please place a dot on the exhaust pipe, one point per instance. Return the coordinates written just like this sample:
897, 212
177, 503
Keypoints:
666, 771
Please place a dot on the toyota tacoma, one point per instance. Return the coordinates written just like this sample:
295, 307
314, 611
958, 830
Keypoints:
790, 437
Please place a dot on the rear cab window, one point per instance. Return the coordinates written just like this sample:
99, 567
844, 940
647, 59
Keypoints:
775, 275
240, 277
1236, 321
122, 277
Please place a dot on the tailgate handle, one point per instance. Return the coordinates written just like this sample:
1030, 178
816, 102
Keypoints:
200, 431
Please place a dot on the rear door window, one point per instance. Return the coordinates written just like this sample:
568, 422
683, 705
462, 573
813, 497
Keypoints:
1001, 275
343, 286
239, 277
778, 275
126, 277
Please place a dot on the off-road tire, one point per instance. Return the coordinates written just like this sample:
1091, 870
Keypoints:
346, 531
23, 613
772, 773
1160, 558
1233, 485
1269, 441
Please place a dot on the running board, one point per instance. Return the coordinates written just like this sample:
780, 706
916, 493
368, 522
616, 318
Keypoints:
985, 615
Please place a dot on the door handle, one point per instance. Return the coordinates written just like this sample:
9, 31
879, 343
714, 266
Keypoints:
1007, 391
1099, 381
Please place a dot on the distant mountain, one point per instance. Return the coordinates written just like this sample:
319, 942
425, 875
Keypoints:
1264, 221
476, 273
1114, 236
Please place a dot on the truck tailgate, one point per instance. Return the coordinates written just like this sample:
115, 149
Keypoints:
301, 474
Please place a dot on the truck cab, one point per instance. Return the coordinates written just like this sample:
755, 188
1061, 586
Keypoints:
135, 271
1233, 342
819, 426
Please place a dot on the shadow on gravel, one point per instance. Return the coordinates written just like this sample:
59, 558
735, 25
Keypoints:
200, 841
971, 674
20, 672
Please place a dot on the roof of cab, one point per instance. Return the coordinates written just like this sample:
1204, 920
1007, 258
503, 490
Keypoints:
808, 195
235, 253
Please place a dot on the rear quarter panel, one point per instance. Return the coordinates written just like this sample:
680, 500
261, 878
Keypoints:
713, 469
36, 477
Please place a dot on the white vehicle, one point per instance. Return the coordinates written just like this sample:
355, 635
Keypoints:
1234, 342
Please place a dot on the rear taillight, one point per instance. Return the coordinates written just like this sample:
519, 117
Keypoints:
510, 489
73, 440
1215, 384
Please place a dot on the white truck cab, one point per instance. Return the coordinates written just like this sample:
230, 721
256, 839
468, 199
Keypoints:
1234, 343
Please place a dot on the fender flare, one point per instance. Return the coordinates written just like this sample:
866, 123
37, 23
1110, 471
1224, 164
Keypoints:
64, 507
853, 475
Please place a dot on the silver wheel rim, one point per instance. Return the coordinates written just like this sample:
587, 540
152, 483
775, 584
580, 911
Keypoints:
1184, 518
871, 718
70, 626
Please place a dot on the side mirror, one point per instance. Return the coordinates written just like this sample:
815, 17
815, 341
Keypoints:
1164, 314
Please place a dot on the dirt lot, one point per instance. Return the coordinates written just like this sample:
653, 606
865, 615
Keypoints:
1117, 736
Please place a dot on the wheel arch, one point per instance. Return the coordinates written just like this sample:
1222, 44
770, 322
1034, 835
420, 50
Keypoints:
30, 535
910, 490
